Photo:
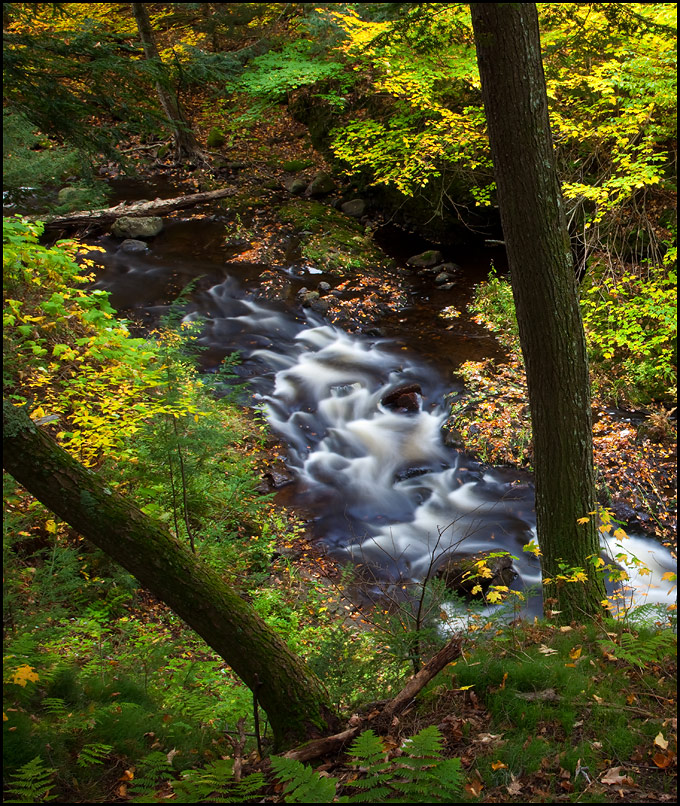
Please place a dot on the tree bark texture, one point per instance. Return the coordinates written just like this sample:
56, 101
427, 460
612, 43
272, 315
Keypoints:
186, 147
546, 297
293, 698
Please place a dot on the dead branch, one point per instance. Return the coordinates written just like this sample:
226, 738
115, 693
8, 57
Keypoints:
437, 662
335, 743
134, 209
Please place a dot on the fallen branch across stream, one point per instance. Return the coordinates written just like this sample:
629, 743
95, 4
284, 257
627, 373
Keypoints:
157, 207
383, 721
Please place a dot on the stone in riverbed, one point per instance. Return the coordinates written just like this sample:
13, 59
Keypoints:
137, 227
131, 246
425, 259
403, 398
460, 572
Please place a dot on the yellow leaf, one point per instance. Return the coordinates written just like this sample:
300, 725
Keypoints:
465, 688
670, 576
36, 414
583, 520
498, 765
576, 653
659, 741
51, 527
23, 675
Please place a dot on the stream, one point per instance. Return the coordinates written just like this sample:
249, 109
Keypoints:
382, 488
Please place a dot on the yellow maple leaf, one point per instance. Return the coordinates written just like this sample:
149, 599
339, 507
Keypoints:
582, 520
24, 674
576, 653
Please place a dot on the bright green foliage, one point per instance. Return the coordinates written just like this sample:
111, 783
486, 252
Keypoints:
631, 327
277, 74
420, 775
31, 783
301, 783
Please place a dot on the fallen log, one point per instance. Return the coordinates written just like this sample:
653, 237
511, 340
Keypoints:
108, 215
382, 721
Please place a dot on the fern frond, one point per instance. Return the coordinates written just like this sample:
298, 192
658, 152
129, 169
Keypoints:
31, 783
93, 754
215, 784
151, 771
302, 784
54, 706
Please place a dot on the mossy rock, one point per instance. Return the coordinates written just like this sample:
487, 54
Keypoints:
329, 239
215, 138
293, 166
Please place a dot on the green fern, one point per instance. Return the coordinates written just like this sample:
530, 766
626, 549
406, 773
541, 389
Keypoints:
215, 784
419, 776
370, 754
31, 783
150, 772
54, 706
301, 783
640, 650
93, 754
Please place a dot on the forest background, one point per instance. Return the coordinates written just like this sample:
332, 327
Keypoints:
107, 695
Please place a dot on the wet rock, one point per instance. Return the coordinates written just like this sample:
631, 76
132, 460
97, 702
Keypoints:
321, 185
449, 268
442, 277
447, 286
295, 186
131, 246
452, 438
320, 306
459, 572
324, 287
425, 259
355, 208
404, 398
137, 227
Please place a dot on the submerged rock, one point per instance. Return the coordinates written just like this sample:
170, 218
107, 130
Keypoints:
131, 245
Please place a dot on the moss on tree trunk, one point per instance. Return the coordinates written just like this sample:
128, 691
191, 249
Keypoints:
294, 699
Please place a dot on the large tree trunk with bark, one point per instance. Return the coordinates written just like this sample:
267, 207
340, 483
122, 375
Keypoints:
546, 298
293, 698
187, 148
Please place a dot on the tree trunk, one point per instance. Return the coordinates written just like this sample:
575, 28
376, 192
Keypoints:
186, 146
546, 298
294, 699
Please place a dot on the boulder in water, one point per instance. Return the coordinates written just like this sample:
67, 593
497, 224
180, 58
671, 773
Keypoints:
403, 398
460, 572
425, 259
137, 227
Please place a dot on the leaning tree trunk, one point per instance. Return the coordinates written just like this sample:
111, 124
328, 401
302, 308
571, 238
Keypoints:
546, 298
187, 148
294, 699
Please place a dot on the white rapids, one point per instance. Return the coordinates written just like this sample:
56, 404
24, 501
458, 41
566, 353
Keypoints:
386, 489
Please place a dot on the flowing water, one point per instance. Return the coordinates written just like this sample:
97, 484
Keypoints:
382, 487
